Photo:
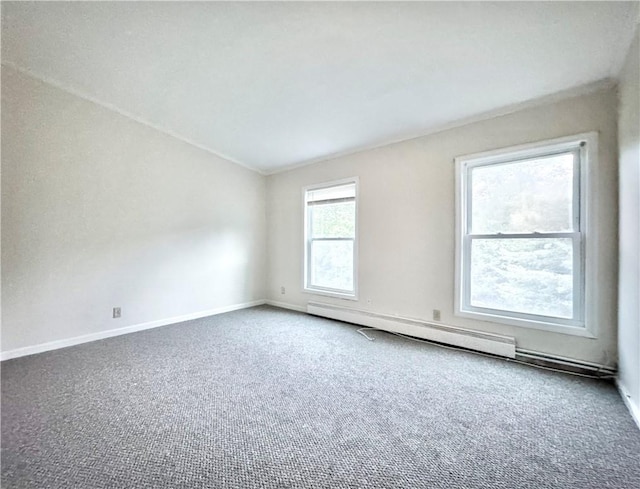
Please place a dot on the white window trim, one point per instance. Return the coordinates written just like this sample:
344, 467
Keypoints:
588, 205
322, 290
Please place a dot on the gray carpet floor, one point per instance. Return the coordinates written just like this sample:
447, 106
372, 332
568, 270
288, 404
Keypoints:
268, 398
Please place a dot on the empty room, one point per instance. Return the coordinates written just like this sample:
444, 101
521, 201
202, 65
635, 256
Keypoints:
320, 245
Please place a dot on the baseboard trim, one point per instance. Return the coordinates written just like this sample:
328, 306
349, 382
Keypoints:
77, 340
504, 346
634, 410
286, 305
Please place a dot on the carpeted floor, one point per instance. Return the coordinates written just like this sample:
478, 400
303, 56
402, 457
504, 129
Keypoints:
267, 398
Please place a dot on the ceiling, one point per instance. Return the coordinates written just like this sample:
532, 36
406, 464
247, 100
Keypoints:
270, 85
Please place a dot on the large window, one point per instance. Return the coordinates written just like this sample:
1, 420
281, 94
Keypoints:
521, 235
330, 238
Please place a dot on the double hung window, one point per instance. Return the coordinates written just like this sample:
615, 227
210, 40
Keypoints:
521, 235
330, 238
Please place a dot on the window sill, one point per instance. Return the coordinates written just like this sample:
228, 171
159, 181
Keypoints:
330, 293
528, 323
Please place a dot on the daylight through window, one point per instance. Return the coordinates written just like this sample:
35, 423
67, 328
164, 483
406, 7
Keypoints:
521, 235
331, 239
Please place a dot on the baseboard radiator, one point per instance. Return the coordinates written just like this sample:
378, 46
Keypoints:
569, 365
474, 340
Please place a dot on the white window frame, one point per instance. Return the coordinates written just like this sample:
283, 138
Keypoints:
583, 236
325, 291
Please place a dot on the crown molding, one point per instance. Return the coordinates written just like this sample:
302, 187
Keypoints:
76, 93
509, 109
604, 84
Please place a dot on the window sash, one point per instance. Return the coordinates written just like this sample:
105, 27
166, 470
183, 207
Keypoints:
577, 158
309, 284
577, 274
316, 203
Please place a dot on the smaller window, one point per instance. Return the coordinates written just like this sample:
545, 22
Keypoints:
330, 239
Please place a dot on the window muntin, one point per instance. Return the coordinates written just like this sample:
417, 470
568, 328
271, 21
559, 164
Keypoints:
521, 251
330, 239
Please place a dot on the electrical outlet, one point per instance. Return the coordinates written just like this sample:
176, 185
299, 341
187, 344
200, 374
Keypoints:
117, 312
282, 290
436, 315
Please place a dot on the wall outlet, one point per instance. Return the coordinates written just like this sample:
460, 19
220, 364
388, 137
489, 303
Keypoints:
436, 315
117, 312
282, 290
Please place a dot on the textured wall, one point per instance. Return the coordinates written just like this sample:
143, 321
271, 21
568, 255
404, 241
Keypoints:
406, 227
100, 211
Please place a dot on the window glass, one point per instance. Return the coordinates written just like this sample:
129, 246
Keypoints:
333, 220
332, 264
534, 195
533, 276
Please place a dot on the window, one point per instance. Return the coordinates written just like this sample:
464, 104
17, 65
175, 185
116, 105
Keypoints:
521, 235
330, 239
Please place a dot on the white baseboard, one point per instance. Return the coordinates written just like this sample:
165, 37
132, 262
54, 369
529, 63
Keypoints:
634, 409
475, 340
286, 305
54, 345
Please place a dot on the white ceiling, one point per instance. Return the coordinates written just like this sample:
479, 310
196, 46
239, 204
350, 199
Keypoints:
271, 85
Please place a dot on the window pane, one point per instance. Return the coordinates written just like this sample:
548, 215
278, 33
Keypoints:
333, 220
331, 264
533, 276
523, 197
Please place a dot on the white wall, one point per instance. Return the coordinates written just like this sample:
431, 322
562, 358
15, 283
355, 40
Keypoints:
629, 282
406, 251
101, 211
